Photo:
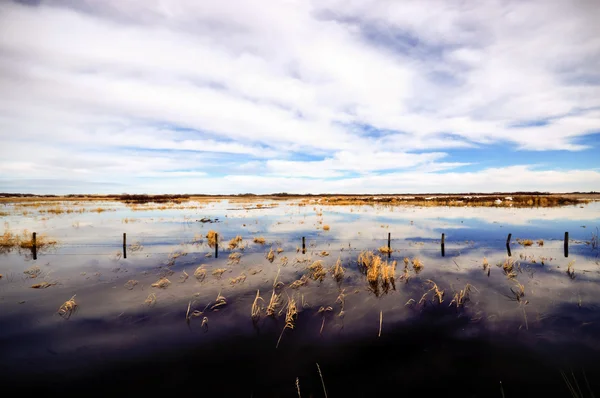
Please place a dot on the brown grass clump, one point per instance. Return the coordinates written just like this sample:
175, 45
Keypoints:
300, 282
162, 283
385, 250
284, 261
279, 250
571, 269
239, 279
437, 293
41, 242
317, 271
234, 258
324, 254
150, 300
200, 273
417, 265
388, 272
325, 227
211, 237
68, 308
290, 317
338, 270
7, 241
33, 272
271, 255
462, 296
218, 272
233, 243
525, 242
130, 284
256, 308
373, 272
365, 259
259, 240
540, 242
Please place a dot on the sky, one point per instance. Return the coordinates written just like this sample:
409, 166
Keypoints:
299, 96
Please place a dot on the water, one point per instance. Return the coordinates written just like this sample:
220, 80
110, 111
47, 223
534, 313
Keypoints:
117, 340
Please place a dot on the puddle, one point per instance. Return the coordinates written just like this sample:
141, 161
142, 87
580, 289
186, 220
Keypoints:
127, 335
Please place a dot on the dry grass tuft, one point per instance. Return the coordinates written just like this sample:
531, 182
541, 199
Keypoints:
540, 242
183, 277
571, 269
437, 293
284, 261
41, 242
325, 227
338, 270
365, 260
279, 250
525, 242
33, 272
211, 237
518, 291
234, 258
256, 308
388, 272
259, 240
300, 282
324, 254
290, 317
274, 302
462, 296
385, 250
130, 284
486, 266
200, 273
68, 308
162, 283
150, 300
239, 279
508, 267
220, 301
43, 285
417, 265
233, 243
271, 255
218, 272
317, 271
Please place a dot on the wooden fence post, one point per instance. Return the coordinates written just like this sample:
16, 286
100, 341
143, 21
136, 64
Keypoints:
34, 246
389, 244
216, 245
508, 245
566, 244
443, 245
124, 245
303, 245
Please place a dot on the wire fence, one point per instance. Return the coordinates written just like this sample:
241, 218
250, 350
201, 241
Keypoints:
195, 244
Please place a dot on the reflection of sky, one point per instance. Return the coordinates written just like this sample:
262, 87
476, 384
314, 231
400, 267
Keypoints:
87, 264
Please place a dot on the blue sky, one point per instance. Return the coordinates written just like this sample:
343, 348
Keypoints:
368, 96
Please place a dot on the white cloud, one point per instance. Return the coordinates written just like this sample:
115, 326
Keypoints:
181, 88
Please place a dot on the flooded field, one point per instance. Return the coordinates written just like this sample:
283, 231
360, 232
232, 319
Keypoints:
258, 315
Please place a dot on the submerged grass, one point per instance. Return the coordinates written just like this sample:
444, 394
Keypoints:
162, 283
338, 270
200, 273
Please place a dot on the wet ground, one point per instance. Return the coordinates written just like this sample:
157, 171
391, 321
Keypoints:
127, 337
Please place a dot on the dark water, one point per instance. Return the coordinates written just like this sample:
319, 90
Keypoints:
493, 345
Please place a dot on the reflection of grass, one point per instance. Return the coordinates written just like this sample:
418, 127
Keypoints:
571, 269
